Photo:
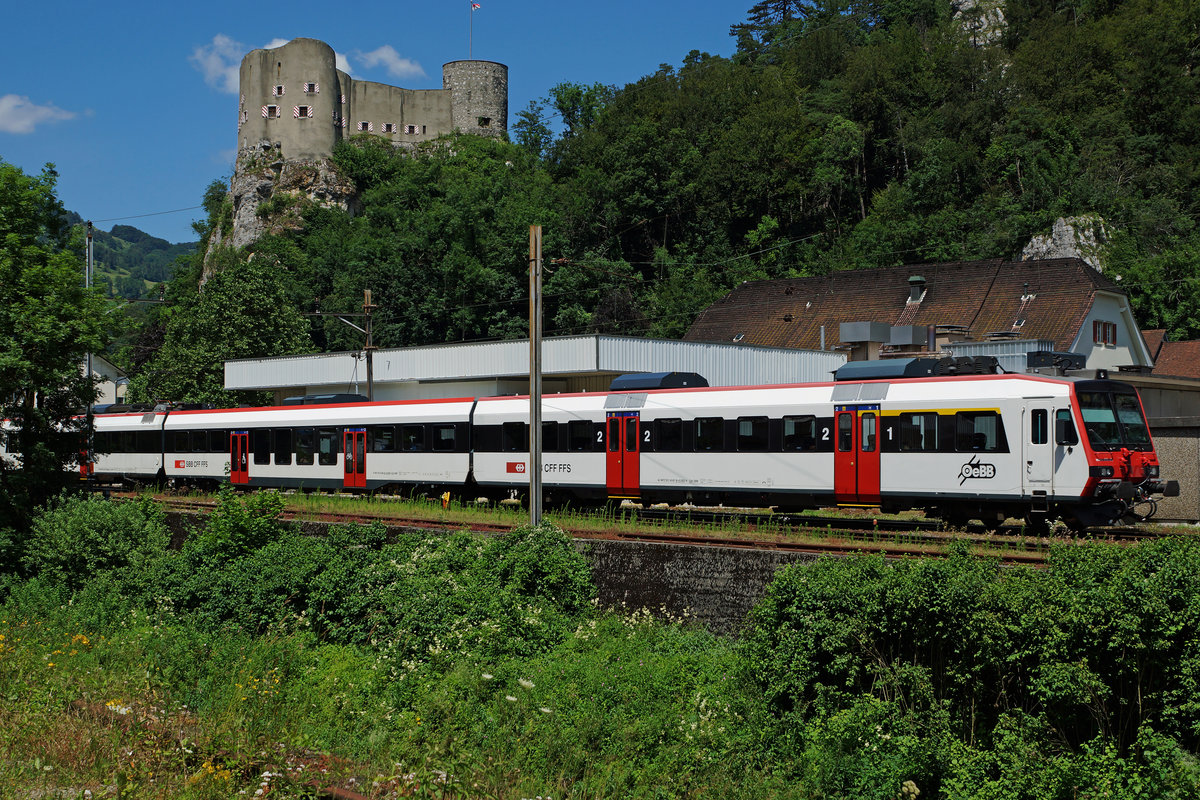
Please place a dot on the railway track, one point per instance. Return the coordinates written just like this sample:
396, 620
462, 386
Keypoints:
817, 535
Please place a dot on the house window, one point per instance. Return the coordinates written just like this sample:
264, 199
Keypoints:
277, 91
311, 88
1104, 332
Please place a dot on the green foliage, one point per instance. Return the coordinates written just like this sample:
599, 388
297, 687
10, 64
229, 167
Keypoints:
243, 311
77, 538
49, 323
1098, 651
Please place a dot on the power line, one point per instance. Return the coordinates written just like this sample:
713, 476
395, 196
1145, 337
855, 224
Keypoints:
150, 214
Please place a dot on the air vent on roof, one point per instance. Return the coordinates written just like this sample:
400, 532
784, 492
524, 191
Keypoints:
739, 337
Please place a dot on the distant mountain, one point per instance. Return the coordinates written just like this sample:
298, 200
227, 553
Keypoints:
130, 261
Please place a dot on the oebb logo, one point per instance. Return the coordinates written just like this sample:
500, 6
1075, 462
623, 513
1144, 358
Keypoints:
975, 469
515, 466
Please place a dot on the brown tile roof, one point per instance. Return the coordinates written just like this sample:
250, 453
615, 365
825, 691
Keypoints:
1154, 339
1178, 360
1035, 299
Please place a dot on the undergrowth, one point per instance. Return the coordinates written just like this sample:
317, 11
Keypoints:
257, 661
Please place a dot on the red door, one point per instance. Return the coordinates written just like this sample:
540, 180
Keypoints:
856, 454
355, 450
623, 471
239, 457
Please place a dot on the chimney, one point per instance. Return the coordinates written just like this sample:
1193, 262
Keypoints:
916, 288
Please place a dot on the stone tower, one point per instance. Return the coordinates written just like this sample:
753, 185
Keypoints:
478, 96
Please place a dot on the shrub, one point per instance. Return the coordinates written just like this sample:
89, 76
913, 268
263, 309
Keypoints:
78, 537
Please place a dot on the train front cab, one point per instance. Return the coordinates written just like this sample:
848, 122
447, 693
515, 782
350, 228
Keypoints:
1123, 474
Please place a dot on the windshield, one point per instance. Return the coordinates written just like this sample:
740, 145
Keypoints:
1114, 420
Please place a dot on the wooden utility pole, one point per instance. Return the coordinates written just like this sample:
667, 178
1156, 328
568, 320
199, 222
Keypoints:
368, 307
535, 374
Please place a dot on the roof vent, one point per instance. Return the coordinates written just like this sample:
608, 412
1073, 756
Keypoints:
739, 337
788, 317
916, 288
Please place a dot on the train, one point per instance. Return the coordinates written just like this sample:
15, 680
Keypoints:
960, 442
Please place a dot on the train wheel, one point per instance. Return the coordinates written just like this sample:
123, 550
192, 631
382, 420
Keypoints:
1037, 524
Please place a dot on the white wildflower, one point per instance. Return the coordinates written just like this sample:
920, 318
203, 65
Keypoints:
525, 684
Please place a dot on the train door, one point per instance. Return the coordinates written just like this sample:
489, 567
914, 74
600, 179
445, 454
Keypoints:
1037, 449
239, 457
856, 454
354, 441
623, 470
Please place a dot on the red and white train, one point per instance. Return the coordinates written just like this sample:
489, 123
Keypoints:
985, 446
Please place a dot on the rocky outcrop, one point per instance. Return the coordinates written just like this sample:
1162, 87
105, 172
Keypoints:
1084, 236
270, 193
982, 19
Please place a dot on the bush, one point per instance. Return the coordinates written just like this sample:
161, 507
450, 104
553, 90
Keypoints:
77, 538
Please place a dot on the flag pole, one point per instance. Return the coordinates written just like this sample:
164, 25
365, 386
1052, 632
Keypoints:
471, 32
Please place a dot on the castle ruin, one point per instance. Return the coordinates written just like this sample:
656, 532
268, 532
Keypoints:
296, 105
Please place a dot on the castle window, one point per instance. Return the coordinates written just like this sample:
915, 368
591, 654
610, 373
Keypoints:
311, 88
366, 126
485, 122
423, 129
271, 112
389, 127
410, 128
302, 112
277, 91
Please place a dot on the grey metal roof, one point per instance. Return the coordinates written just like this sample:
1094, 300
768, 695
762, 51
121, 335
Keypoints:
721, 364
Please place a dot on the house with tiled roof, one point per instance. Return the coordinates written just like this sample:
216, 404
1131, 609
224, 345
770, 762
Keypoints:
1063, 305
1175, 359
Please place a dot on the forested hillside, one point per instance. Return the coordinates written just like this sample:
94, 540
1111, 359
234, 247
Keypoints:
129, 262
836, 137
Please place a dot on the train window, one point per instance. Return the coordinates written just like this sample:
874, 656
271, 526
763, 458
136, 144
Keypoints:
1129, 412
752, 434
1039, 426
305, 445
614, 434
328, 446
867, 442
218, 441
710, 433
443, 438
260, 445
799, 433
412, 437
631, 434
283, 446
382, 438
199, 441
918, 432
845, 436
979, 431
180, 442
668, 435
550, 436
581, 435
514, 437
148, 442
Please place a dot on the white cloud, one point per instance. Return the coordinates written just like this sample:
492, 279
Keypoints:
219, 62
397, 67
19, 115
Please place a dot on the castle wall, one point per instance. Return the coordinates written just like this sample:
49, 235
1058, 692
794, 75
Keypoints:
398, 115
295, 96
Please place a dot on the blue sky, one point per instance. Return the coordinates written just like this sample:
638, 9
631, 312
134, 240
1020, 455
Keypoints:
135, 103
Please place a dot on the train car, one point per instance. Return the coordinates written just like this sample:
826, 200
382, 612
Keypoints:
408, 445
962, 447
127, 446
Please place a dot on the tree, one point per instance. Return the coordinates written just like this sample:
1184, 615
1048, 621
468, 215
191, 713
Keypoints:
243, 311
50, 323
